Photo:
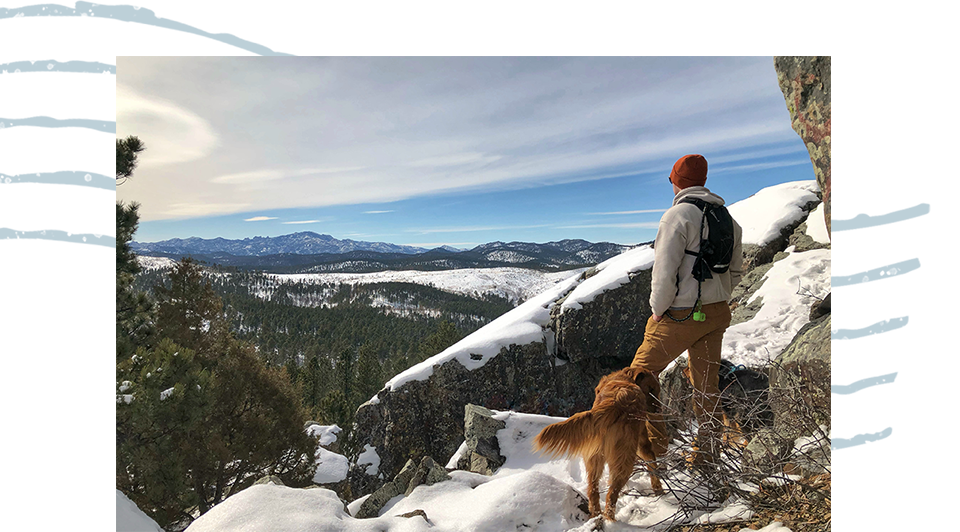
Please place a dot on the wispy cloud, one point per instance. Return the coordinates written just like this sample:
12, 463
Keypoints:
255, 176
260, 218
171, 132
637, 225
472, 229
647, 211
743, 168
376, 212
459, 124
189, 210
455, 159
303, 222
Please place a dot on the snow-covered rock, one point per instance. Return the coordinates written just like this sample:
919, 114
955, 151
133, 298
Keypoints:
130, 518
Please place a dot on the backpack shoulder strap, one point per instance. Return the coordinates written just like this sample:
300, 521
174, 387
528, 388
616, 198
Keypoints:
702, 205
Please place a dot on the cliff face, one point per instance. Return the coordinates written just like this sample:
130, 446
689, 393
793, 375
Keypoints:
805, 83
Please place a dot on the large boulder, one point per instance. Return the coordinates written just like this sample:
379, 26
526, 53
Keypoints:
755, 255
426, 417
800, 400
805, 83
481, 453
427, 473
800, 378
606, 331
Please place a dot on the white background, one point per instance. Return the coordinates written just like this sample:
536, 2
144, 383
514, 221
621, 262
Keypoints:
893, 147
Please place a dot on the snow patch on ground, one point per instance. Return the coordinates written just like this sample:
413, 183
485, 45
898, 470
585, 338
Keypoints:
791, 288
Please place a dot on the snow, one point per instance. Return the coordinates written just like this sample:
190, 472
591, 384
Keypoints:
528, 500
166, 393
763, 215
155, 263
370, 458
132, 519
327, 434
817, 226
612, 273
522, 325
530, 492
513, 284
788, 294
331, 467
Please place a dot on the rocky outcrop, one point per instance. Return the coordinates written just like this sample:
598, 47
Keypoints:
800, 400
802, 242
805, 83
481, 452
757, 255
426, 417
607, 331
742, 303
802, 371
428, 472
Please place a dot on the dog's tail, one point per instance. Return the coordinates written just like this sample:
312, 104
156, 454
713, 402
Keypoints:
578, 435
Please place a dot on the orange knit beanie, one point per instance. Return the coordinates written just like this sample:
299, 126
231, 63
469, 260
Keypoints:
689, 171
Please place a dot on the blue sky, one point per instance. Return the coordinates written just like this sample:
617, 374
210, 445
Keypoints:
443, 151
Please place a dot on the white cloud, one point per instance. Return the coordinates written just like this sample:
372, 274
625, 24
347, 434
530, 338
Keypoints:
376, 212
190, 210
303, 222
255, 176
172, 134
470, 229
637, 225
628, 212
456, 159
260, 218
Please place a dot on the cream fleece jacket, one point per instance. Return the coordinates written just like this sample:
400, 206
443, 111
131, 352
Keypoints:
673, 285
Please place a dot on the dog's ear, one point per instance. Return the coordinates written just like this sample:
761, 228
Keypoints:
650, 386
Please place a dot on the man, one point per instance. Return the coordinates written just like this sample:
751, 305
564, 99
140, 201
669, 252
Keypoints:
679, 302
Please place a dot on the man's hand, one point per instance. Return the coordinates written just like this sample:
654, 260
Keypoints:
657, 318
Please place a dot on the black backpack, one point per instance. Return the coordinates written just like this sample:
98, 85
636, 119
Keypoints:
717, 249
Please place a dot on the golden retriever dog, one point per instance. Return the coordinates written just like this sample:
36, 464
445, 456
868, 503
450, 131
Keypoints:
611, 433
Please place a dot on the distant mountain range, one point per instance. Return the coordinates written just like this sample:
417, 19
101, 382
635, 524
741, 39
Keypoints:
304, 243
312, 252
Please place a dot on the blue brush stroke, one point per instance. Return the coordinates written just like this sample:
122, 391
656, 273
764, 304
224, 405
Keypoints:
884, 272
863, 383
46, 121
860, 439
84, 67
862, 220
83, 179
876, 328
59, 236
130, 14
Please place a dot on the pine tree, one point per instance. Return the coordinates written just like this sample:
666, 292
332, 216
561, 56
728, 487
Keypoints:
134, 309
127, 150
369, 378
163, 400
190, 312
445, 336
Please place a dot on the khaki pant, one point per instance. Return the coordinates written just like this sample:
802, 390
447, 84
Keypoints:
665, 340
